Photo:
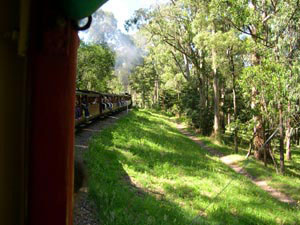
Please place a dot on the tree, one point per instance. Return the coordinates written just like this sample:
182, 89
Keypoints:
142, 81
104, 30
235, 57
266, 22
95, 67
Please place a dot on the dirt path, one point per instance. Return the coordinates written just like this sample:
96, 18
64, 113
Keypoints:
84, 212
238, 169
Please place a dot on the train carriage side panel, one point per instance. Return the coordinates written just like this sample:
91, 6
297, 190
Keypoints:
93, 106
79, 116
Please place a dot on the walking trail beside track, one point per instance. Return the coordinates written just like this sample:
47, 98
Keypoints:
260, 183
84, 212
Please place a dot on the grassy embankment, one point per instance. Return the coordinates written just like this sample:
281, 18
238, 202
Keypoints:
143, 171
289, 183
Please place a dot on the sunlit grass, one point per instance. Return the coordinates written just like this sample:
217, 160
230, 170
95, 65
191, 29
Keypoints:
289, 183
143, 171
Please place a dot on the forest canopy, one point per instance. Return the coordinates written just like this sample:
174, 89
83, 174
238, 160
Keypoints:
94, 67
228, 66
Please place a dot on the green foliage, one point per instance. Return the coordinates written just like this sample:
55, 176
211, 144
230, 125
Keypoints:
115, 85
231, 65
104, 29
199, 118
142, 81
94, 67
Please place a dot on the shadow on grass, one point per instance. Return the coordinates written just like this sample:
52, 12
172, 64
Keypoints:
121, 201
287, 183
155, 158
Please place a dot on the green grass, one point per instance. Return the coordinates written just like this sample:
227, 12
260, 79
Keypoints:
289, 183
143, 171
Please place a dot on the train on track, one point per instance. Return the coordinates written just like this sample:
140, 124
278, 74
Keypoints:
90, 105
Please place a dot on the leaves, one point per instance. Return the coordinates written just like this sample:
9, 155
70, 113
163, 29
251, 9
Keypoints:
95, 67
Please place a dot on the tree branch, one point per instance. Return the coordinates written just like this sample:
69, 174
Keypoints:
179, 65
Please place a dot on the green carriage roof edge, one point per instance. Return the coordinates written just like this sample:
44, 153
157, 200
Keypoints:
79, 9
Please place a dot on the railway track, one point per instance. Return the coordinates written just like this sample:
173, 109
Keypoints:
84, 211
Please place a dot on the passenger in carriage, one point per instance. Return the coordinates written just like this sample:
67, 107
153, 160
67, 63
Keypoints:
85, 106
120, 102
106, 103
109, 103
103, 105
77, 109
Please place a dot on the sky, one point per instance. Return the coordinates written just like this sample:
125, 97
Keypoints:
124, 9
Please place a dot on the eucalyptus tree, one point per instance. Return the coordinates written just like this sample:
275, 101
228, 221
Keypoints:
287, 52
221, 45
216, 38
231, 50
266, 22
171, 26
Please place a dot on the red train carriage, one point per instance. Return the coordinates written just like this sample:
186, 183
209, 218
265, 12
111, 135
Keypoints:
38, 51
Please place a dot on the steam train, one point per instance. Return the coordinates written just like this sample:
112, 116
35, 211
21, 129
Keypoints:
90, 105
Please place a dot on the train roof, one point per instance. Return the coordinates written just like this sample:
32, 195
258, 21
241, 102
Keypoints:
86, 92
93, 93
108, 94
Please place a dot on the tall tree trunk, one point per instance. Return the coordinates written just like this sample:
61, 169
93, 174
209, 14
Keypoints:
258, 127
216, 104
297, 137
222, 102
207, 102
228, 118
288, 134
187, 66
143, 101
234, 104
281, 140
265, 147
202, 94
258, 139
235, 118
202, 103
216, 94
